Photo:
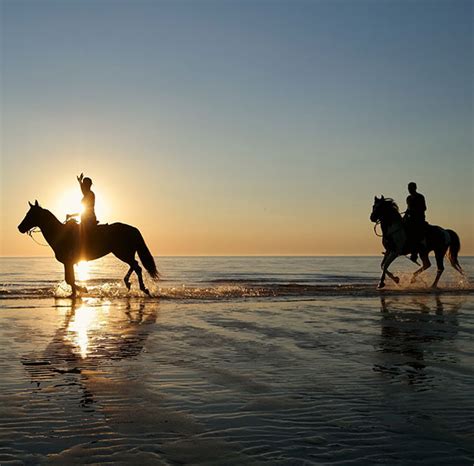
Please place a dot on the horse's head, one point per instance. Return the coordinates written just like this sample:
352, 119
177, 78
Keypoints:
382, 206
31, 219
376, 209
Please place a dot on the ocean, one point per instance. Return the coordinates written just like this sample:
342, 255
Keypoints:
226, 277
235, 361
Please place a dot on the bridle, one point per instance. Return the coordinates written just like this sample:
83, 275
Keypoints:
378, 222
30, 234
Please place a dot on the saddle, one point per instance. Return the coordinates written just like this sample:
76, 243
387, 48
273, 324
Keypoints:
82, 235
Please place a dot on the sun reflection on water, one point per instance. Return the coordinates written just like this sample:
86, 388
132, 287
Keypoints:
87, 319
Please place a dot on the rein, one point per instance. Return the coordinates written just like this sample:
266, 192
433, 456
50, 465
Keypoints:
375, 229
30, 234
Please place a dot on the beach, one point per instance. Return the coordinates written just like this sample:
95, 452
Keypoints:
383, 378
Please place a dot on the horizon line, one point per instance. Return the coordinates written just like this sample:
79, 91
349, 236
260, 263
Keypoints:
226, 255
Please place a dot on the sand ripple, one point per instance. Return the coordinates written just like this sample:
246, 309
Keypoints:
348, 380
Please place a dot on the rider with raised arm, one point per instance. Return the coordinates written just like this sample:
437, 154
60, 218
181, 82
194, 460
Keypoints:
415, 220
88, 217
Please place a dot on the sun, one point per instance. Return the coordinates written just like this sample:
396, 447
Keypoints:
68, 203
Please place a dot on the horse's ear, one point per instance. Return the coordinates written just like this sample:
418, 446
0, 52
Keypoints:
30, 204
381, 197
36, 204
376, 198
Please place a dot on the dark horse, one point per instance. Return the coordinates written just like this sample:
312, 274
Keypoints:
71, 246
396, 241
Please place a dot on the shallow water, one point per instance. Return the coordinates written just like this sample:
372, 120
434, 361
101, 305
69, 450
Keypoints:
282, 380
216, 278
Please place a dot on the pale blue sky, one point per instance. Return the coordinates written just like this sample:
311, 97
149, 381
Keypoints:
276, 119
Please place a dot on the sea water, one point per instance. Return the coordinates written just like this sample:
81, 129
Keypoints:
236, 360
226, 277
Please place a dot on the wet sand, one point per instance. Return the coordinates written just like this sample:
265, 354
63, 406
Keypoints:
349, 380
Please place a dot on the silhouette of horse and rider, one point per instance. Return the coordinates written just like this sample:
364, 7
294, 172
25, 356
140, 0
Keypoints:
73, 242
88, 217
411, 234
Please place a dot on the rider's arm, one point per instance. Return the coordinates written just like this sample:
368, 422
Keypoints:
79, 179
423, 203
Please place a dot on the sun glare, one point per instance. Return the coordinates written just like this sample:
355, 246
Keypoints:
70, 203
82, 271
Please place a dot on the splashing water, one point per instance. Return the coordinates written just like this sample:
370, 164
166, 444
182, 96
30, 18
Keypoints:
215, 278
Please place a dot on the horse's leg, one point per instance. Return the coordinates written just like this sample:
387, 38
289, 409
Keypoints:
129, 259
440, 264
126, 279
388, 259
82, 289
69, 277
426, 265
138, 271
393, 277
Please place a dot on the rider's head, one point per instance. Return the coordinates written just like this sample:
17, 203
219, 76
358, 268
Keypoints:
412, 187
87, 183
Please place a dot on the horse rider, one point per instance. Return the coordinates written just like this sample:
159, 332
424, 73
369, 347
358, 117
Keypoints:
88, 218
415, 220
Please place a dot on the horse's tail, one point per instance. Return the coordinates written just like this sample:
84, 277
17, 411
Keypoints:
454, 248
146, 258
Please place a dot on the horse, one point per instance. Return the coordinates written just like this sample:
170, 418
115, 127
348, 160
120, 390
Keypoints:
72, 244
396, 242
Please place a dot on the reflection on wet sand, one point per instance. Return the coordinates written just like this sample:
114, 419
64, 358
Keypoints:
238, 382
413, 332
97, 394
90, 337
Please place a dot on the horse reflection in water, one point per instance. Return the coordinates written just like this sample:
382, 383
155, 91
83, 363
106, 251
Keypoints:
93, 334
412, 330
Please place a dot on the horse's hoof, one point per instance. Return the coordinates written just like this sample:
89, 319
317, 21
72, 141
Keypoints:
396, 280
147, 292
413, 280
128, 285
380, 286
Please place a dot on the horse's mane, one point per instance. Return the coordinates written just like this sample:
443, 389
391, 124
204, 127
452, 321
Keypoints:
391, 203
49, 214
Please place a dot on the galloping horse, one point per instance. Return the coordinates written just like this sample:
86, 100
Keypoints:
395, 240
71, 246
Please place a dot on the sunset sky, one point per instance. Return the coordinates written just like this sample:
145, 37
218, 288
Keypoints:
237, 127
